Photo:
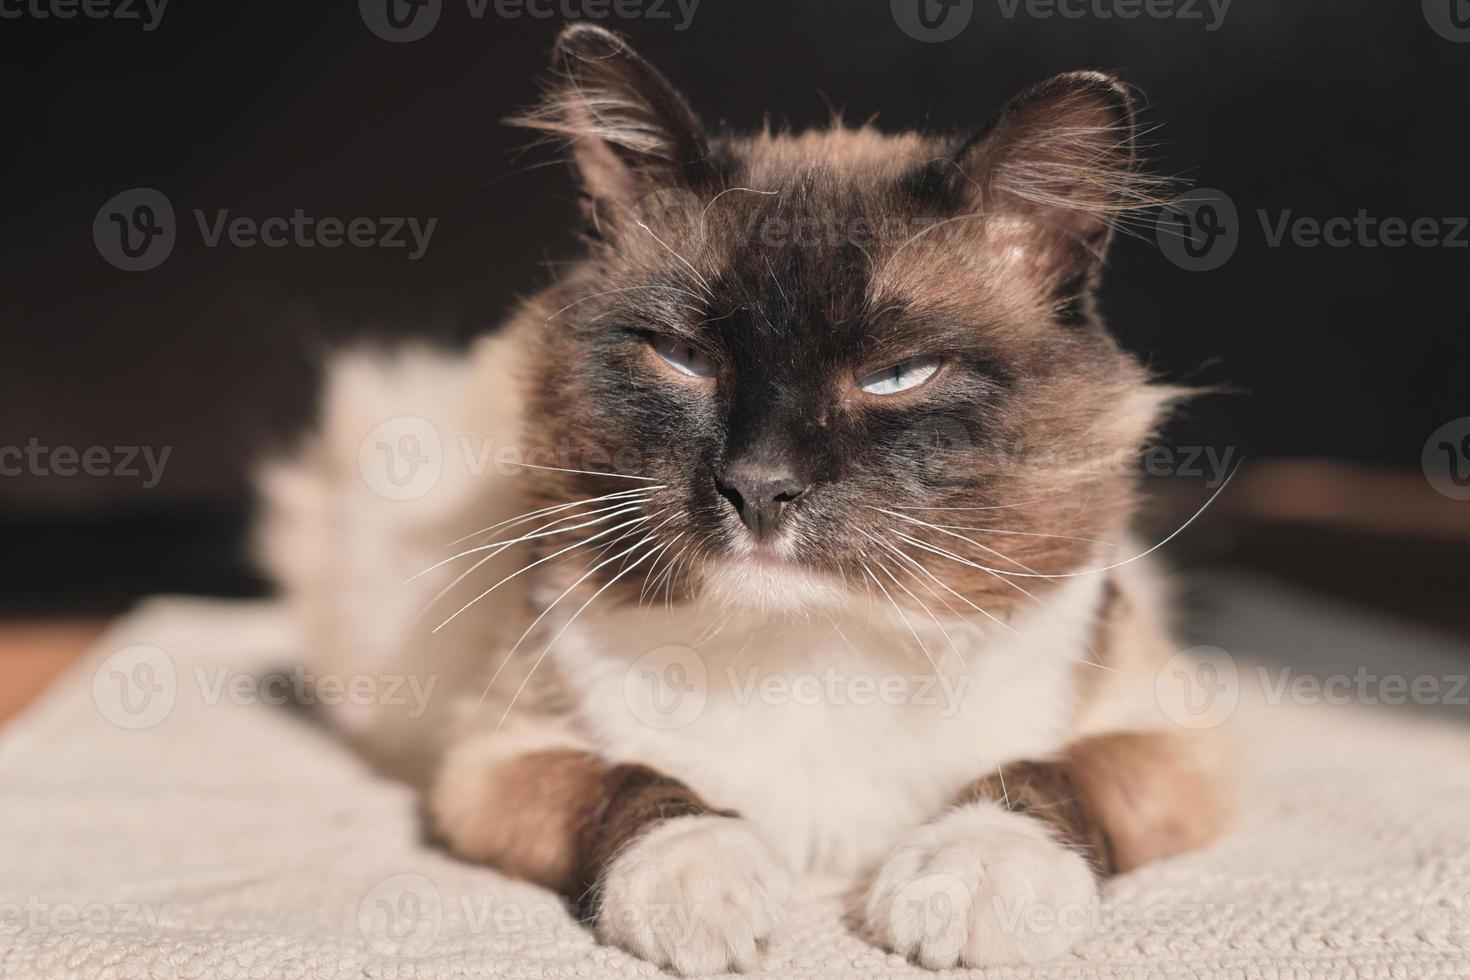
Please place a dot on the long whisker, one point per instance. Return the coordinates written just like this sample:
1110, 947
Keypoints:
622, 507
544, 511
899, 610
1022, 503
940, 582
649, 580
952, 534
1143, 554
567, 625
477, 565
927, 611
552, 605
930, 589
995, 530
571, 547
1003, 578
687, 264
624, 289
563, 469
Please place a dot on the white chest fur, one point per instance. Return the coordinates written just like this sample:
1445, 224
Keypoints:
831, 736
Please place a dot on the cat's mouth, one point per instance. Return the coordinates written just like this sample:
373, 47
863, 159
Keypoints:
768, 577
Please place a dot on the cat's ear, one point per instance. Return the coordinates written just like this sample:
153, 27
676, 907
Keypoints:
628, 130
1055, 172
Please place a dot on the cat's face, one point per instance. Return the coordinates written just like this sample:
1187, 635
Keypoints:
838, 362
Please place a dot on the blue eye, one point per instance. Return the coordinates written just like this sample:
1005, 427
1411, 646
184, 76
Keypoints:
683, 356
900, 377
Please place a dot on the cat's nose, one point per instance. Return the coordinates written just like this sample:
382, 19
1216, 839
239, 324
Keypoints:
760, 494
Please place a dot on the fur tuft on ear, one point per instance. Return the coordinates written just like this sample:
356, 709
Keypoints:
1061, 159
628, 129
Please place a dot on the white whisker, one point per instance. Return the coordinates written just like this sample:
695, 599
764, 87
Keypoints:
574, 545
940, 582
1142, 554
1023, 503
995, 530
624, 289
952, 534
544, 511
542, 615
563, 469
687, 264
496, 547
1003, 578
567, 625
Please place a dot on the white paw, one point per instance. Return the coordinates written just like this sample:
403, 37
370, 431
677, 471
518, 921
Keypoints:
980, 887
695, 894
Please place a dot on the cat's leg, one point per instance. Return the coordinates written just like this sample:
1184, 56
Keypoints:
640, 856
1010, 874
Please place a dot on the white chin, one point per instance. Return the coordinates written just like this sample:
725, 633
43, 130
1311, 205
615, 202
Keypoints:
769, 587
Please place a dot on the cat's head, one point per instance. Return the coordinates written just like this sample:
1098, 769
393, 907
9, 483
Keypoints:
838, 360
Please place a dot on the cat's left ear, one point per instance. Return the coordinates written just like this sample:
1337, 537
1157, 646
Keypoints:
628, 129
1055, 172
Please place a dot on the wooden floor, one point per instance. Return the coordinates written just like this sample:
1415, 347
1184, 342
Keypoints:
34, 652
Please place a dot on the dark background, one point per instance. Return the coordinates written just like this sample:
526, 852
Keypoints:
1322, 107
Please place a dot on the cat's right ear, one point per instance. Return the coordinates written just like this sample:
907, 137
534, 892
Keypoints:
629, 131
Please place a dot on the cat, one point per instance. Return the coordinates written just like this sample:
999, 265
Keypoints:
786, 533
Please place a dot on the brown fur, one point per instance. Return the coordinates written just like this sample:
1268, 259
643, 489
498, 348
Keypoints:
533, 823
1123, 800
631, 800
800, 260
558, 817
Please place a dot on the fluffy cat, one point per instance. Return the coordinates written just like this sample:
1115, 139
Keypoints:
789, 537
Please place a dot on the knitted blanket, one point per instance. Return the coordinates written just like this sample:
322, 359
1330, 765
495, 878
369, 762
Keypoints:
162, 815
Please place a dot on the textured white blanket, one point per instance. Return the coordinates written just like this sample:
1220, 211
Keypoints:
159, 819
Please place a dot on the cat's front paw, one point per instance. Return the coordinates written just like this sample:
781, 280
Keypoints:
696, 894
980, 887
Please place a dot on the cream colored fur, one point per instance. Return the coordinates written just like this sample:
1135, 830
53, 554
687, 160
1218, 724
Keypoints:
825, 784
